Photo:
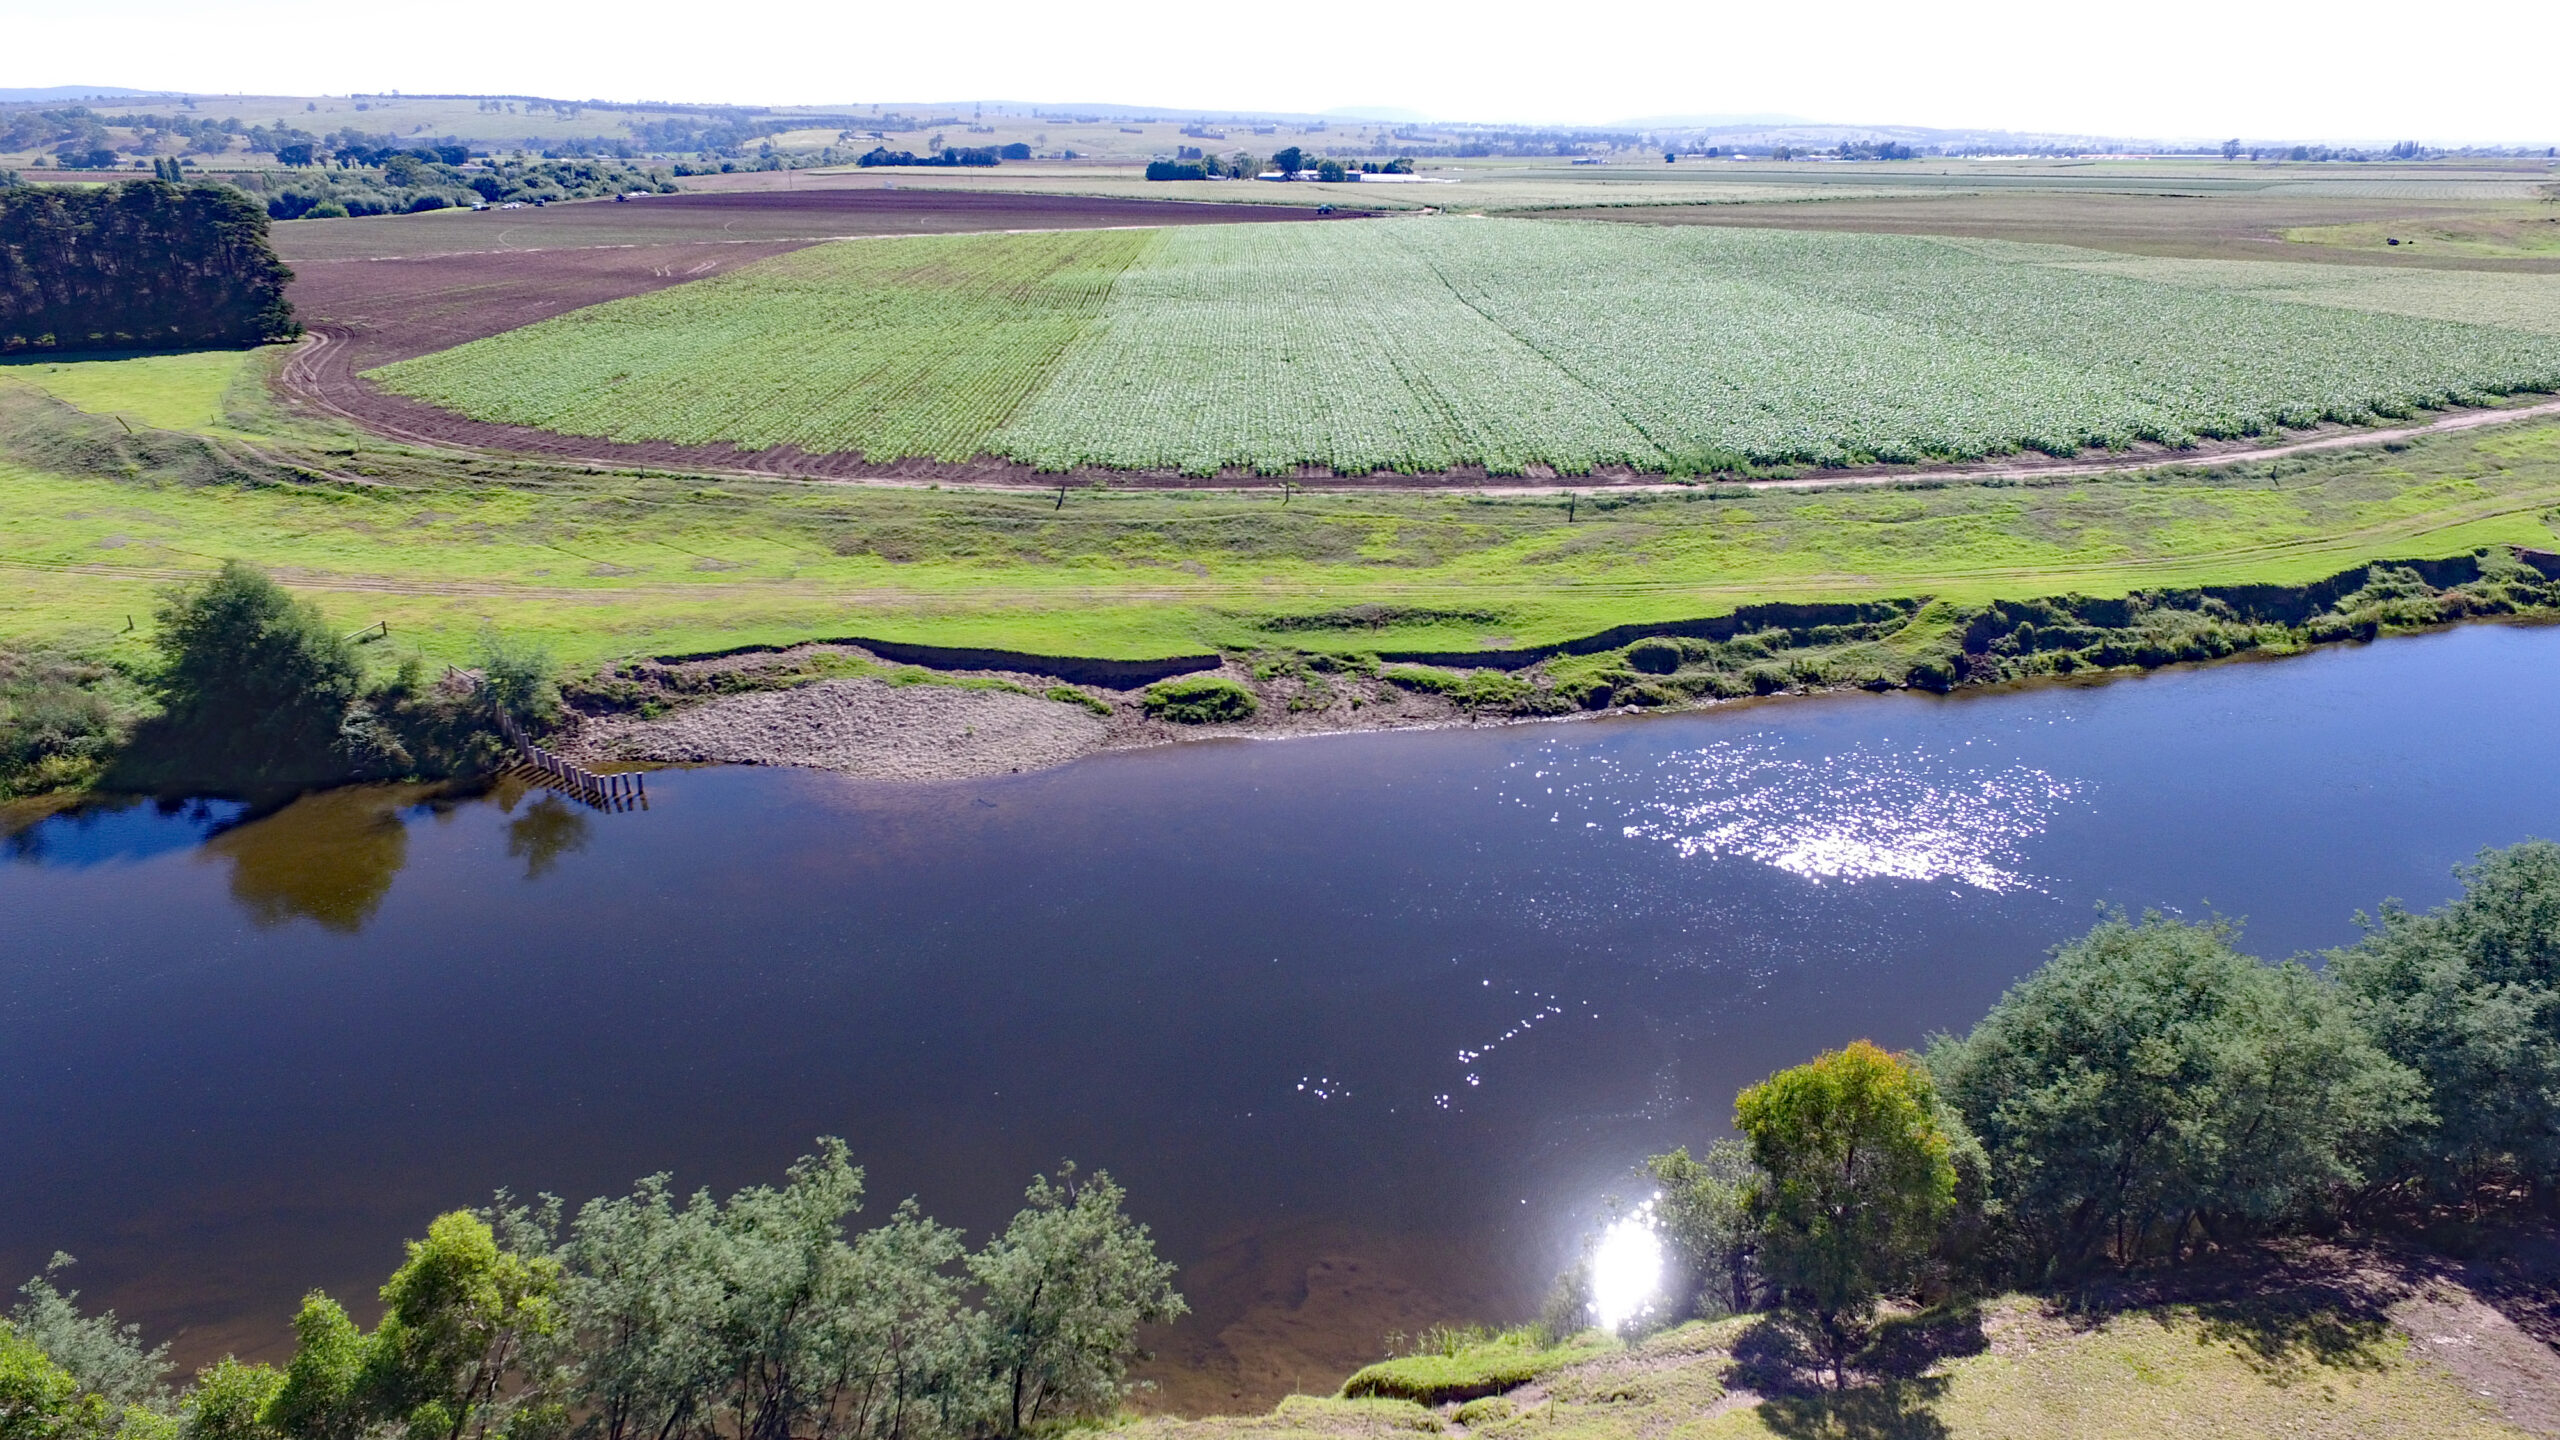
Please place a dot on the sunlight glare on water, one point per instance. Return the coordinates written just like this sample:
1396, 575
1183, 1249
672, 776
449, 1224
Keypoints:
1626, 1270
1865, 811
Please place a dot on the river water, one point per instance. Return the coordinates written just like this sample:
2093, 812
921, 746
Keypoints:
1370, 1026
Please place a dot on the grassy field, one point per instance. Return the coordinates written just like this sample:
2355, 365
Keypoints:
185, 391
94, 521
2015, 1367
2516, 231
1437, 343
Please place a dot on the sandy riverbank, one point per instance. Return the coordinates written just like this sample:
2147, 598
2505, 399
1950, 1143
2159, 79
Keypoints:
796, 707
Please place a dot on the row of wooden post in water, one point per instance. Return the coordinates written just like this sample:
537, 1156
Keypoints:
625, 791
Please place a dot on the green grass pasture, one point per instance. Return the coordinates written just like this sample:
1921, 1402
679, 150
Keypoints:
1428, 344
186, 391
2511, 232
2018, 1367
605, 565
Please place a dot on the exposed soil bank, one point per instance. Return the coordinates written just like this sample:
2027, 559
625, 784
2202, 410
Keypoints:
885, 722
863, 727
841, 706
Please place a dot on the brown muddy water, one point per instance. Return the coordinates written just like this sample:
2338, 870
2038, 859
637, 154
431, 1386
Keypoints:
1370, 1026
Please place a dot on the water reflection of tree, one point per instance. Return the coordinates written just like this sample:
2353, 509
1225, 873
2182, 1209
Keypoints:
327, 857
548, 829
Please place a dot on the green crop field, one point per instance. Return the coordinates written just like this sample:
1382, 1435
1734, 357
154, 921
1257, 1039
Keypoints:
1425, 344
904, 347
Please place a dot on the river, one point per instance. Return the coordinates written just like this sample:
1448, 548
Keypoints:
1371, 1026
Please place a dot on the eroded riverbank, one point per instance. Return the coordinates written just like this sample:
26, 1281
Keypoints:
846, 707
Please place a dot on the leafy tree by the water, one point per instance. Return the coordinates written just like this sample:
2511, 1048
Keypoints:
256, 685
754, 1318
104, 1358
1705, 1214
459, 1315
1067, 1286
1855, 1177
2151, 1085
640, 1297
230, 1402
38, 1398
323, 1396
147, 264
2468, 996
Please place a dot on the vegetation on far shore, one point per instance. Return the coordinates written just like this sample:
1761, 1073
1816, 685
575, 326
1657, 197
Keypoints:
250, 688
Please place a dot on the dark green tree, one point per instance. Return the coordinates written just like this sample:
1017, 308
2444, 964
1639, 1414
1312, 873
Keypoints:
147, 264
255, 683
2468, 996
2150, 1085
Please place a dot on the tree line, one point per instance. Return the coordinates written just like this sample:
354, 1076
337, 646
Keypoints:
650, 1317
140, 265
2148, 1095
948, 155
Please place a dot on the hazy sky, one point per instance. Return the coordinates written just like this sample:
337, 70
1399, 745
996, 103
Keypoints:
2337, 69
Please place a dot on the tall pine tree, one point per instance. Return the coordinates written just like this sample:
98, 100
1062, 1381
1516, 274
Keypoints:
144, 265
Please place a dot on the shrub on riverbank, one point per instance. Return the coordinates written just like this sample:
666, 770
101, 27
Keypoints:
252, 681
62, 719
1465, 1363
1205, 700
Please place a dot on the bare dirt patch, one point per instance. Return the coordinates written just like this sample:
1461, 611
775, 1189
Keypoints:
837, 706
862, 727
